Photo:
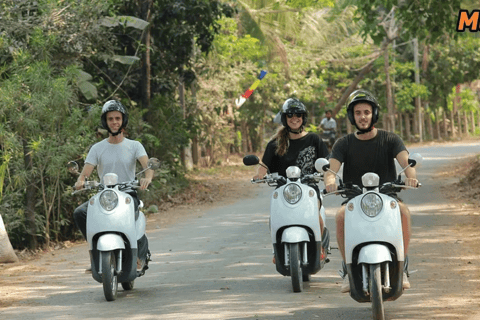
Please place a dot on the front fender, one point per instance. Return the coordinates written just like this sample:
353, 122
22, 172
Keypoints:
295, 235
374, 253
110, 241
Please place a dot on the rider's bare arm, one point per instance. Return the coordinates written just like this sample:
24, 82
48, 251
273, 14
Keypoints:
145, 182
86, 172
410, 173
329, 178
261, 172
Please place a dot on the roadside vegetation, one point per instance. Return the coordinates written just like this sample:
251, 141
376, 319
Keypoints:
179, 65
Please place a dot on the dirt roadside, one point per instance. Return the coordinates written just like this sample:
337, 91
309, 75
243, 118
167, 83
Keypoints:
20, 280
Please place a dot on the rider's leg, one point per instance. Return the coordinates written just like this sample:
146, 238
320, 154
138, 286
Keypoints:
80, 218
322, 225
406, 226
340, 223
407, 230
142, 243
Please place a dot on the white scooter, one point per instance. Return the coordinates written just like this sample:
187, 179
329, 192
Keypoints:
113, 228
374, 249
299, 248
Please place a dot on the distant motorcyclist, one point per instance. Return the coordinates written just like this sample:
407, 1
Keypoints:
118, 155
368, 150
329, 126
292, 145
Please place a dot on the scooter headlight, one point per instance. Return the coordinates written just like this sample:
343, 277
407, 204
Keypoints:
292, 193
108, 200
371, 204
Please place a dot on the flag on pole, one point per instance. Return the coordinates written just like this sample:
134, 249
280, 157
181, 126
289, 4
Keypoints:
250, 90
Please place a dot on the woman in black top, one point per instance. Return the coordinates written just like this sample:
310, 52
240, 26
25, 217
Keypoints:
292, 146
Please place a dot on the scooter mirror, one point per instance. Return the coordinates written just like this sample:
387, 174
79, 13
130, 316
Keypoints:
415, 160
72, 167
251, 160
153, 163
322, 165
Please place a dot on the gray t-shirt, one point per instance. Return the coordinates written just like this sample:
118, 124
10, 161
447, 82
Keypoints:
118, 158
329, 124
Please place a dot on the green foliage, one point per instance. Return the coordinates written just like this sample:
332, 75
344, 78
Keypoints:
310, 3
466, 100
311, 128
37, 105
423, 19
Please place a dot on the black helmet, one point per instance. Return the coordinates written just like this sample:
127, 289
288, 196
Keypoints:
358, 96
114, 105
291, 106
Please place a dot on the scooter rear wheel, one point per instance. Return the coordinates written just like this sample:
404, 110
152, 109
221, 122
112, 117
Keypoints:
296, 267
109, 276
376, 294
128, 285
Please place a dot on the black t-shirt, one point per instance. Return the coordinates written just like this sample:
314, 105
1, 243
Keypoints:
374, 155
302, 153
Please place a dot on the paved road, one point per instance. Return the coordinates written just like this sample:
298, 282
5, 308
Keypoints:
218, 266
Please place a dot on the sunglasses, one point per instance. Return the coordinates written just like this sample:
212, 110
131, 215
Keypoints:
298, 115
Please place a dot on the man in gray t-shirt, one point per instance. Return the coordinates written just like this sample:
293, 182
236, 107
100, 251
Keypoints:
118, 155
120, 158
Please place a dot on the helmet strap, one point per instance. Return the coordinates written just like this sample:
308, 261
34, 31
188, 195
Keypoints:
363, 131
116, 133
299, 130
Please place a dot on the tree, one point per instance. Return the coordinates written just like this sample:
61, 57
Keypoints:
7, 254
424, 20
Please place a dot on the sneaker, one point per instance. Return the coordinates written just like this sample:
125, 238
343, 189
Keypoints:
140, 264
345, 285
405, 282
88, 270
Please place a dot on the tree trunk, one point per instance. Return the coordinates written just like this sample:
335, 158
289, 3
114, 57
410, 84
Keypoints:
7, 255
459, 119
390, 125
195, 138
429, 125
186, 152
478, 118
145, 14
400, 125
452, 123
465, 121
349, 127
30, 198
407, 127
418, 103
416, 127
445, 126
437, 125
472, 115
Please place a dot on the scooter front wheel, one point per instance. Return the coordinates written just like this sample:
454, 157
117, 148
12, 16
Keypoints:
296, 267
376, 295
109, 276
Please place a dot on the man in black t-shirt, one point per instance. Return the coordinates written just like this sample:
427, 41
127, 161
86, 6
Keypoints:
368, 150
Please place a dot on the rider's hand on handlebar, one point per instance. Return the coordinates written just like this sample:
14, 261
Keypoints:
144, 183
79, 185
331, 187
411, 182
